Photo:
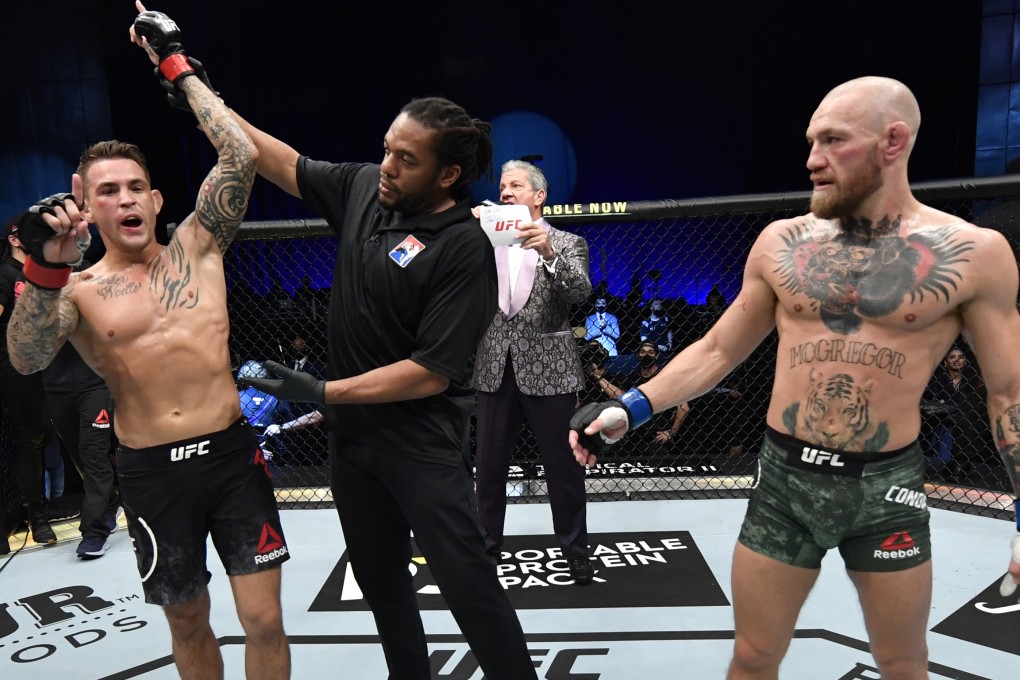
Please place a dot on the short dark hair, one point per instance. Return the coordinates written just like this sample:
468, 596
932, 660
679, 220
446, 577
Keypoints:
460, 139
112, 148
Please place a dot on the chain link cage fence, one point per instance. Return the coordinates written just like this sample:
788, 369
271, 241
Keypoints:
662, 273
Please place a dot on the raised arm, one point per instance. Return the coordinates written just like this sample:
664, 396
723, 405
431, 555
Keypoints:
277, 161
223, 198
55, 234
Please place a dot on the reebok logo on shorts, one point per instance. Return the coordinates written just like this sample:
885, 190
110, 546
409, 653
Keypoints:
102, 421
259, 459
897, 546
270, 545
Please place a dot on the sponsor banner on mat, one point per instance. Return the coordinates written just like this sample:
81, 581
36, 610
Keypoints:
632, 569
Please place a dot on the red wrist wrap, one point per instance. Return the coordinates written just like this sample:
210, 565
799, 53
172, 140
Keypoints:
175, 66
50, 278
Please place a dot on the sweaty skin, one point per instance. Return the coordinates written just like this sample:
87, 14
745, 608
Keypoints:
151, 319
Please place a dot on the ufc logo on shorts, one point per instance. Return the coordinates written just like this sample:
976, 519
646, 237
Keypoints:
185, 452
819, 457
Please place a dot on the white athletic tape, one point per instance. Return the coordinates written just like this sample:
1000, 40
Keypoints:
1008, 585
612, 418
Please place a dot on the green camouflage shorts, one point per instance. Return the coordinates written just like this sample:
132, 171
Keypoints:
809, 500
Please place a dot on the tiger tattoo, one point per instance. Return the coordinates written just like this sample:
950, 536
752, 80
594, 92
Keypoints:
836, 415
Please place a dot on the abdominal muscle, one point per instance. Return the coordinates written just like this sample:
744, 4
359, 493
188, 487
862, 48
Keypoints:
855, 393
167, 370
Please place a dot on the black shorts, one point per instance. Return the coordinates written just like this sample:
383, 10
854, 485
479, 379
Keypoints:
175, 495
872, 507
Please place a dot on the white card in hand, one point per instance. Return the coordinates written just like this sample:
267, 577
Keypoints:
500, 222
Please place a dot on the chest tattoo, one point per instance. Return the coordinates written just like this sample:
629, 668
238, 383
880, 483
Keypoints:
866, 271
114, 286
170, 277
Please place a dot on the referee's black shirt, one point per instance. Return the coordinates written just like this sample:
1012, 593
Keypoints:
434, 310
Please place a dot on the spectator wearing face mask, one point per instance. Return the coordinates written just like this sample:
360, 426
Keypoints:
603, 327
656, 440
656, 327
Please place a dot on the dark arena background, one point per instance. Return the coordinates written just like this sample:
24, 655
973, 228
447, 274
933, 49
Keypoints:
671, 134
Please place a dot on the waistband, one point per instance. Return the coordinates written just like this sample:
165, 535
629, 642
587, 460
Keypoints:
807, 456
192, 448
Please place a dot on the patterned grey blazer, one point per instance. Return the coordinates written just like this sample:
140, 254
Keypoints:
539, 337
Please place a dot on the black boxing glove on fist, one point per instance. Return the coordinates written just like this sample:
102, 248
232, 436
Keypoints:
164, 38
631, 410
34, 232
174, 95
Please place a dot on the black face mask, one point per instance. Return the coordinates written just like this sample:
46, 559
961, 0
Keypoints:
647, 360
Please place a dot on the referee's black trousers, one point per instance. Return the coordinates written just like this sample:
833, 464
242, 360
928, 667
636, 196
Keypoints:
382, 497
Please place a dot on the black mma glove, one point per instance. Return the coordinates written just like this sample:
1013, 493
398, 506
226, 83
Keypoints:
174, 95
164, 37
632, 410
33, 232
290, 386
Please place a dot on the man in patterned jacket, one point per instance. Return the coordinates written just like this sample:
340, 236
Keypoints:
527, 369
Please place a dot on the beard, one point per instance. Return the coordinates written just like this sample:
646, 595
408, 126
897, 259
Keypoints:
845, 199
416, 199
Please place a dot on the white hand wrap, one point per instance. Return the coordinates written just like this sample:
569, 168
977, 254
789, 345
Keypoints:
612, 418
1008, 585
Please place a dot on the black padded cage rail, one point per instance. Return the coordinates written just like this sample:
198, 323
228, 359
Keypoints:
683, 258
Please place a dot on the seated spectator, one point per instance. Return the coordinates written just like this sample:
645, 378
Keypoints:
656, 328
657, 439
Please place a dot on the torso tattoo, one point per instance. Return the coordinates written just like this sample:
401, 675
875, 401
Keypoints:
836, 414
170, 277
868, 271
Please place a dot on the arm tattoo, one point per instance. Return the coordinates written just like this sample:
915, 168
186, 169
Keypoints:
868, 271
1007, 439
40, 324
223, 198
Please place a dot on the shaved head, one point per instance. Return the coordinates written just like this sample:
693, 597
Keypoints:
876, 102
